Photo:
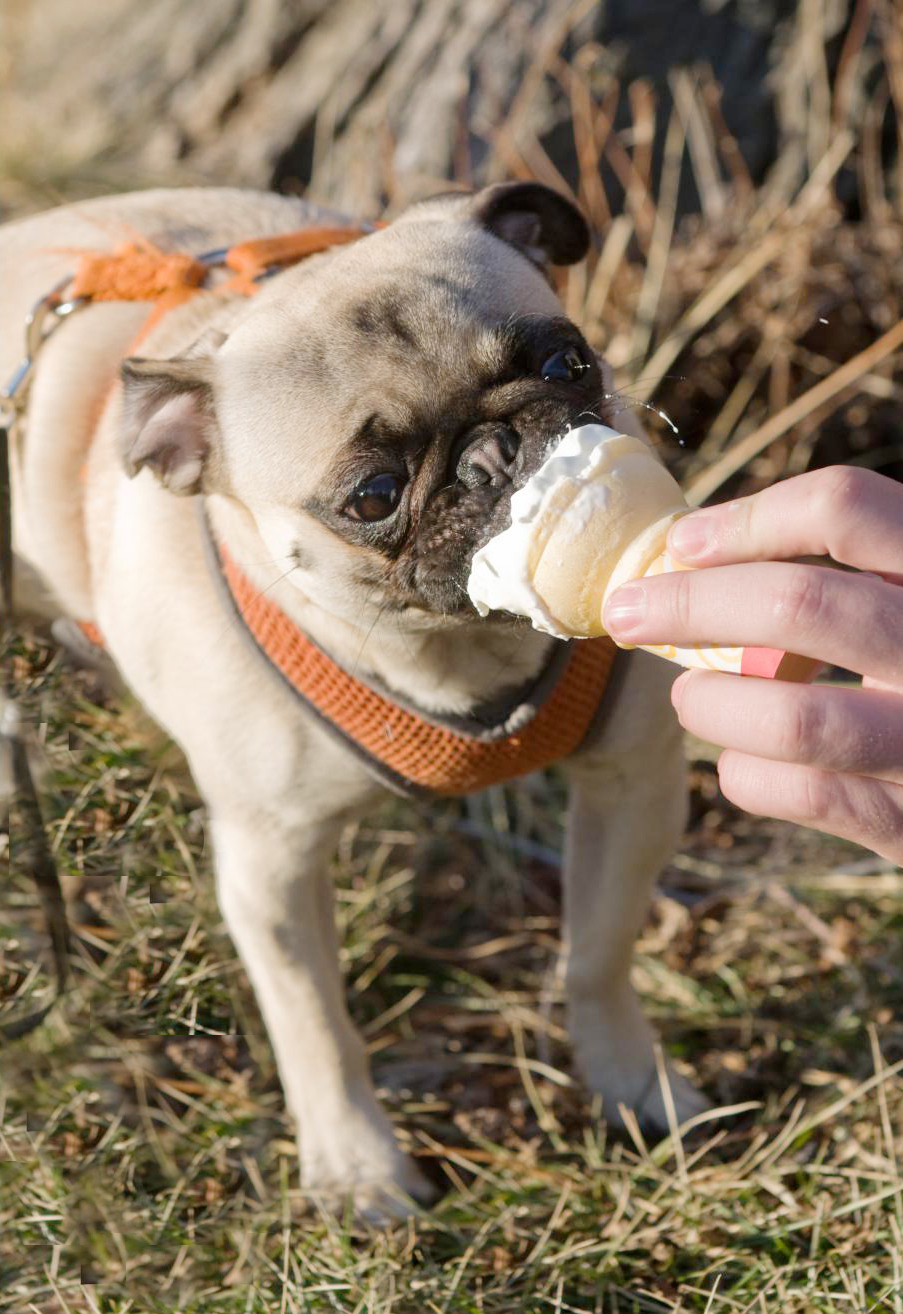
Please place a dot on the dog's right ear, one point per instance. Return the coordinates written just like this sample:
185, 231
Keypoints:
541, 223
168, 419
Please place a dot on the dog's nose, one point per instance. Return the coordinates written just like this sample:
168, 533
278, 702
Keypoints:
488, 456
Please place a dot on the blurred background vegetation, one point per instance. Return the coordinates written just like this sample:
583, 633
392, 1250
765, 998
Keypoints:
740, 163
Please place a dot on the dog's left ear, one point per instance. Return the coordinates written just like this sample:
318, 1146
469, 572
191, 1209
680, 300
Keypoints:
168, 420
542, 224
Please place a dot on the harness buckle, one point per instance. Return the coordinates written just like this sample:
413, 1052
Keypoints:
37, 330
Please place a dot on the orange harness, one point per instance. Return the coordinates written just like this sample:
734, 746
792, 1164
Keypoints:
411, 751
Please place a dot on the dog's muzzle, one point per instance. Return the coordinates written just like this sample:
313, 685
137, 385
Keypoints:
488, 456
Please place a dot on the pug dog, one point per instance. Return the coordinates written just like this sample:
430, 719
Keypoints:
353, 433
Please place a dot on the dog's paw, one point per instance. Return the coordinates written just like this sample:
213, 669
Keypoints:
645, 1095
379, 1201
615, 1051
640, 1087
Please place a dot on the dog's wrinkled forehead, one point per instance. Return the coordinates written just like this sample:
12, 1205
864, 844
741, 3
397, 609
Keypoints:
405, 317
442, 306
443, 263
430, 287
416, 339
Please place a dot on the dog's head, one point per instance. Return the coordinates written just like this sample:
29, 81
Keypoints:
375, 409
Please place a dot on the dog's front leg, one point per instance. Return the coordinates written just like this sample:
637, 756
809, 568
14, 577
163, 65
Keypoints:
625, 818
276, 896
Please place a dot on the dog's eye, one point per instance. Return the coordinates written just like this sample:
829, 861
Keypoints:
376, 499
565, 366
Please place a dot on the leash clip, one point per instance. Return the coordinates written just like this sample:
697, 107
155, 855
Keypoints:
37, 330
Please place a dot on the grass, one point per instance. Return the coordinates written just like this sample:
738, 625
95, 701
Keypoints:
146, 1163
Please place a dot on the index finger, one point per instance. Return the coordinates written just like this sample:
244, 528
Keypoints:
837, 616
852, 515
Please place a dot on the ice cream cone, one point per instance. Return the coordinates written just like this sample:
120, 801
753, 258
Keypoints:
595, 515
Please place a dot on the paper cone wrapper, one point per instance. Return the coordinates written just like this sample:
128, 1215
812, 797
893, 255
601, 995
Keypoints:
766, 663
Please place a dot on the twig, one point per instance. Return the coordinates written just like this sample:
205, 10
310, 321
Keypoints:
815, 71
547, 45
614, 249
701, 143
740, 396
734, 279
890, 27
848, 62
592, 192
660, 242
636, 189
737, 456
642, 109
726, 142
715, 298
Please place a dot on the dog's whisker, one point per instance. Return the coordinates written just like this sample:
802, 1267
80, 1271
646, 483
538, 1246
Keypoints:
278, 580
645, 378
355, 665
243, 611
263, 562
630, 403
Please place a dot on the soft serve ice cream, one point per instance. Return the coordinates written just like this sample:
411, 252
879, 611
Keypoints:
595, 515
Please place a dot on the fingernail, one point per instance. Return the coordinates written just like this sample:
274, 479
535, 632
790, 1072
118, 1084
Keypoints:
692, 537
677, 690
625, 610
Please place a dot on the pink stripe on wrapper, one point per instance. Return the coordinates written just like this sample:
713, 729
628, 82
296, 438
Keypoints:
778, 664
763, 662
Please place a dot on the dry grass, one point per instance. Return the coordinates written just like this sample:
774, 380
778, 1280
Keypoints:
145, 1160
148, 1164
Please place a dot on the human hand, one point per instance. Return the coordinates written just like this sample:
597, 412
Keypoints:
826, 757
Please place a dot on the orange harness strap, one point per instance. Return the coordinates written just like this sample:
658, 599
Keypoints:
409, 752
249, 260
141, 271
135, 271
